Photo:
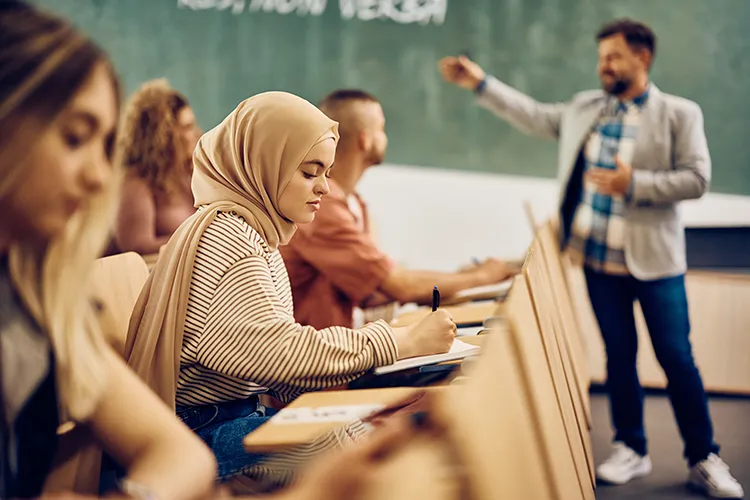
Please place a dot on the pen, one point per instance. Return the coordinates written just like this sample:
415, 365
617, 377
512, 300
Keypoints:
435, 299
476, 261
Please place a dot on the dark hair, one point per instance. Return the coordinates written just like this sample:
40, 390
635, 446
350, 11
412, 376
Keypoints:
177, 102
44, 62
334, 105
638, 35
337, 97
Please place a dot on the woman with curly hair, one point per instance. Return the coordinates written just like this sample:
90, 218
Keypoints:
156, 143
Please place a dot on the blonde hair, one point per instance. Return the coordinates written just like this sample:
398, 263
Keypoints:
45, 61
148, 143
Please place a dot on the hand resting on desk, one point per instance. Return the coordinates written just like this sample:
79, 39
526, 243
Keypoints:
493, 270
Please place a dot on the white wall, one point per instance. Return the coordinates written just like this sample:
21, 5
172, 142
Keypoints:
439, 219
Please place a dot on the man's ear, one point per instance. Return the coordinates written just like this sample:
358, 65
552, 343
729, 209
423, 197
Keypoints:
364, 141
646, 57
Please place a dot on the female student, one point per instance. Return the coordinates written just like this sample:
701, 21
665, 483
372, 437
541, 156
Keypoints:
155, 146
216, 313
58, 111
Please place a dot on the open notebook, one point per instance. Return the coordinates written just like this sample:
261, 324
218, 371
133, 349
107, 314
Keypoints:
459, 350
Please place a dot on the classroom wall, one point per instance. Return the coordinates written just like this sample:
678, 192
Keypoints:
218, 52
440, 219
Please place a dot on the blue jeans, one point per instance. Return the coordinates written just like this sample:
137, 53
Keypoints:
665, 309
223, 426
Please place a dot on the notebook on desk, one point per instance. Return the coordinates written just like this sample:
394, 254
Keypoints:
459, 350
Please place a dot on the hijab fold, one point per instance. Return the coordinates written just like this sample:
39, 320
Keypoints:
242, 165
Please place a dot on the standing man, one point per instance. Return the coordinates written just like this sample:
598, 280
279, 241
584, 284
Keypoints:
334, 265
627, 156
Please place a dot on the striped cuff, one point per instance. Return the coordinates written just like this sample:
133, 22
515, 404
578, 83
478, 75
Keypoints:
380, 334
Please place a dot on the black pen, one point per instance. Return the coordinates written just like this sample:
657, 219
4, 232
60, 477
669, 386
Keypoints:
435, 299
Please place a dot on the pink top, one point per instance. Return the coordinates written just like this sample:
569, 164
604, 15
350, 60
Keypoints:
146, 219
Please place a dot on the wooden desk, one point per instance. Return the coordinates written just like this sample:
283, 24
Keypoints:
274, 437
472, 314
560, 360
515, 435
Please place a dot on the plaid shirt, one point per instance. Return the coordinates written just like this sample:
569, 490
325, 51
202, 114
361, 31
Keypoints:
598, 233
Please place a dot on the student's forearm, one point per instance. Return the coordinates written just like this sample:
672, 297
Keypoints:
161, 466
377, 299
291, 358
416, 286
145, 437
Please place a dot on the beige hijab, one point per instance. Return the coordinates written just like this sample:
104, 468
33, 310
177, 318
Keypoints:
242, 165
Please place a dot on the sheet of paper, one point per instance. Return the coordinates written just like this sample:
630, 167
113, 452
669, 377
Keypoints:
497, 289
458, 350
309, 415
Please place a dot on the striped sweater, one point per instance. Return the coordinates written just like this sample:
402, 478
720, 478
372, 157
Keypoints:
240, 336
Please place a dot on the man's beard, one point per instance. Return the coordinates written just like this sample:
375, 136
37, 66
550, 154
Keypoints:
617, 86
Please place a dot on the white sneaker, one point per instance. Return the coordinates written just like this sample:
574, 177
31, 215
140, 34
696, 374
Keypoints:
623, 465
712, 477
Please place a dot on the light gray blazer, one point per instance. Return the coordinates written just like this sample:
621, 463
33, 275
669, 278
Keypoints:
671, 163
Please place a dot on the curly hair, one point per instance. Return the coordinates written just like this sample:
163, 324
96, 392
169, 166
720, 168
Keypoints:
148, 143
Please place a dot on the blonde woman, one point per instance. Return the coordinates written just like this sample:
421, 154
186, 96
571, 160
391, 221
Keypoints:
155, 146
58, 111
214, 326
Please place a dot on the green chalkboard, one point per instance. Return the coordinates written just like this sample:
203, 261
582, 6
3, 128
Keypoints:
219, 52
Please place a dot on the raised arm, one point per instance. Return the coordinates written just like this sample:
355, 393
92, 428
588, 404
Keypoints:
518, 109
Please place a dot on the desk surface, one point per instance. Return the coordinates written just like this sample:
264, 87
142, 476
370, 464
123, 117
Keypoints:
471, 314
273, 437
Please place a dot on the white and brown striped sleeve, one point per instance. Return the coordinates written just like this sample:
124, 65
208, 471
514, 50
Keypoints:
247, 337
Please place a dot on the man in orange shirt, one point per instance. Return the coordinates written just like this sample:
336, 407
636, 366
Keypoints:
334, 265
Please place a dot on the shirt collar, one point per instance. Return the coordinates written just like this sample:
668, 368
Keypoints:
638, 101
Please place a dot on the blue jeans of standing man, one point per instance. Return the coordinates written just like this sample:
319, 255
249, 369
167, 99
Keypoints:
665, 309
